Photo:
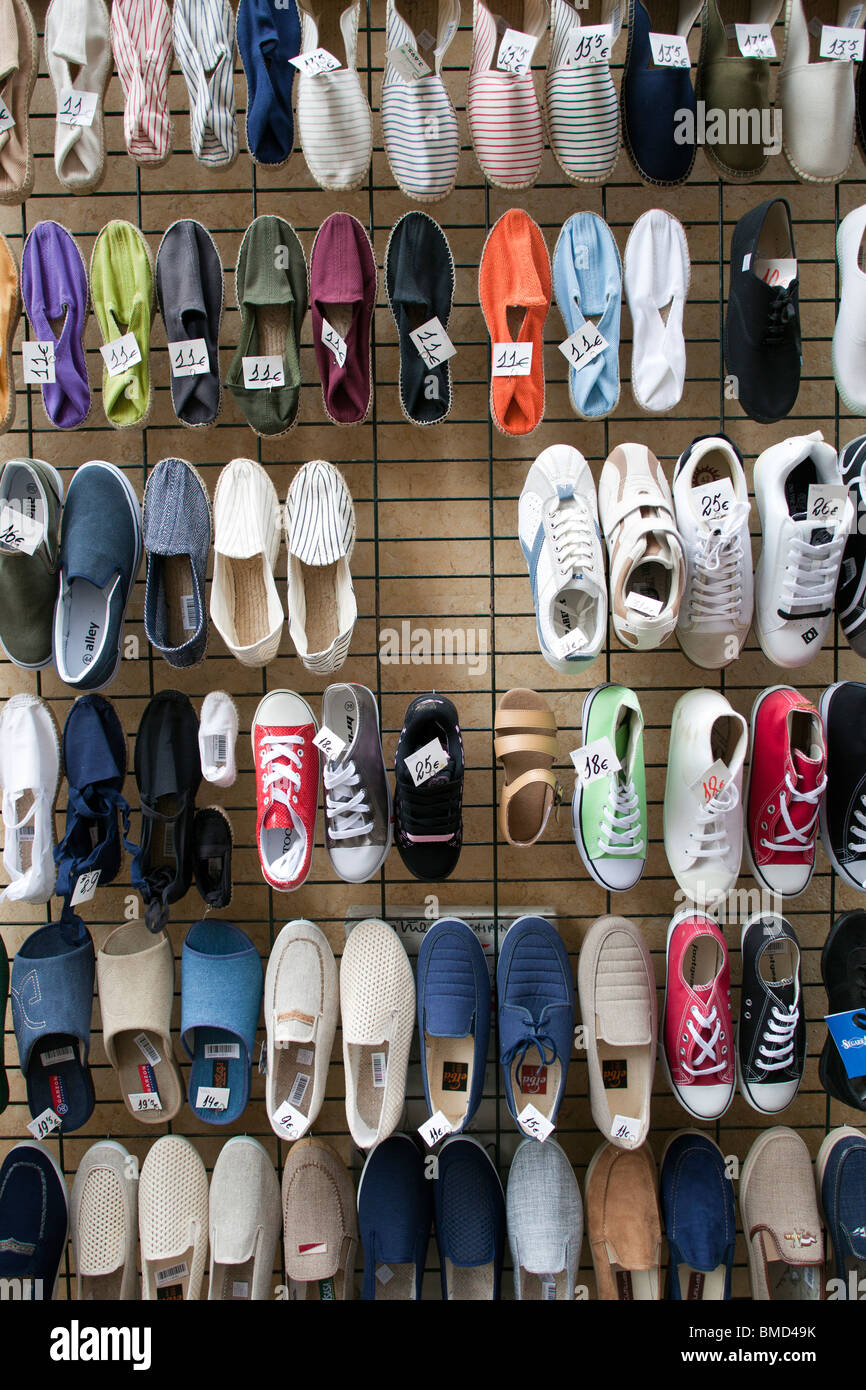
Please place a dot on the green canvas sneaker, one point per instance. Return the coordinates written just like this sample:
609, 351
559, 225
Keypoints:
30, 496
609, 812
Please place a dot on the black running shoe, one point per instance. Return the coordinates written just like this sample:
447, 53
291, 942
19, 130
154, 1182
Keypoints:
428, 818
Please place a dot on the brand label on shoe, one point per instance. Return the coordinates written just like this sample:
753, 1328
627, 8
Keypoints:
512, 359
590, 44
642, 603
533, 1080
85, 887
455, 1076
291, 1121
846, 44
515, 52
625, 1129
614, 1073
406, 60
426, 762
57, 1055
533, 1123
147, 1049
315, 63
18, 531
76, 108
7, 120
595, 760
755, 40
305, 1056
299, 1089
313, 1247
713, 501
334, 343
434, 1129
44, 1124
826, 502
712, 782
143, 1100
848, 1031
585, 344
330, 743
778, 272
433, 343
189, 358
120, 354
188, 613
263, 373
222, 1050
38, 362
212, 1098
380, 1069
172, 1275
670, 51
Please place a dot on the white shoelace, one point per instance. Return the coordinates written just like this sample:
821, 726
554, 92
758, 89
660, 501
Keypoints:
705, 1022
716, 590
347, 808
779, 1030
715, 844
281, 759
811, 572
857, 845
793, 841
572, 533
621, 830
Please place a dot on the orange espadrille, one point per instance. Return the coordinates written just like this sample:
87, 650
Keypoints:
514, 289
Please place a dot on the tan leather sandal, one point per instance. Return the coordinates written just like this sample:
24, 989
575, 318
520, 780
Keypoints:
525, 744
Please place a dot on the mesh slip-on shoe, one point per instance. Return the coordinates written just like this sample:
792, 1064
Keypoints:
320, 539
94, 759
535, 992
698, 1051
453, 988
842, 811
190, 292
609, 814
244, 604
320, 1224
286, 765
781, 1222
168, 775
840, 1171
34, 1221
428, 813
301, 1006
469, 1207
763, 351
30, 497
29, 778
57, 301
177, 533
843, 970
771, 1033
545, 1222
700, 1217
356, 794
377, 1005
103, 1219
395, 1214
173, 1220
787, 780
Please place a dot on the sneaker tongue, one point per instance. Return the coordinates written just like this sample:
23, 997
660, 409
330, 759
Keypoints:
277, 817
808, 771
817, 535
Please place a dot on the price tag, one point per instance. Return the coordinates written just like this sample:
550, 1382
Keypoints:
712, 782
572, 642
315, 63
38, 361
212, 1098
291, 1122
515, 52
713, 501
625, 1129
585, 343
591, 43
334, 343
844, 44
755, 40
433, 343
595, 760
44, 1124
263, 373
533, 1123
512, 359
426, 762
778, 272
76, 108
434, 1129
642, 603
669, 51
406, 59
189, 358
120, 354
7, 120
143, 1100
826, 502
85, 887
19, 532
330, 743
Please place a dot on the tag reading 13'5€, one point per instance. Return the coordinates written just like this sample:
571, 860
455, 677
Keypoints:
595, 760
512, 359
433, 343
585, 343
669, 51
515, 52
843, 44
590, 44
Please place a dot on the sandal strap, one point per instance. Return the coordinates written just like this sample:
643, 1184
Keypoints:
526, 779
524, 719
524, 743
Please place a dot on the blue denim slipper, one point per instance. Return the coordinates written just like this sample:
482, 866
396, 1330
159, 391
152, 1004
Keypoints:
34, 1221
535, 990
453, 993
221, 994
177, 534
587, 282
94, 758
395, 1213
700, 1217
470, 1221
268, 36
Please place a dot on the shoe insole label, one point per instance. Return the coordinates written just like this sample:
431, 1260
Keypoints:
315, 63
585, 344
263, 373
515, 52
406, 60
825, 502
614, 1073
306, 1056
595, 760
455, 1076
669, 51
590, 44
434, 1129
120, 354
75, 107
189, 358
37, 359
533, 1080
643, 603
843, 44
850, 1039
512, 359
433, 343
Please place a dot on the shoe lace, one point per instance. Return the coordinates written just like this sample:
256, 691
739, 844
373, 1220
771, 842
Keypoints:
794, 840
811, 572
716, 589
698, 1024
281, 758
533, 1037
572, 534
430, 810
715, 843
621, 830
857, 844
781, 314
347, 809
779, 1031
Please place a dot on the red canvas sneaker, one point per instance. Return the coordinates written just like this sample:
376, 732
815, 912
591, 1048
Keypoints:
787, 778
699, 1052
287, 787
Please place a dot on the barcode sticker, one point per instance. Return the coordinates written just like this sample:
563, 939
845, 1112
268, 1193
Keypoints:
26, 832
212, 1098
222, 1050
172, 1274
291, 1121
147, 1049
299, 1089
143, 1100
548, 1288
44, 1124
305, 1056
57, 1054
377, 1060
217, 746
188, 612
406, 60
239, 1289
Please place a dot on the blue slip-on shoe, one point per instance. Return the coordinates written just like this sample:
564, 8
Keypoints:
177, 536
395, 1212
220, 998
453, 993
700, 1218
52, 998
94, 758
100, 555
34, 1221
470, 1221
587, 282
268, 37
840, 1169
535, 990
658, 102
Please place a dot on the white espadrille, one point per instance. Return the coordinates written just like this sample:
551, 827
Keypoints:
418, 117
244, 603
335, 126
320, 532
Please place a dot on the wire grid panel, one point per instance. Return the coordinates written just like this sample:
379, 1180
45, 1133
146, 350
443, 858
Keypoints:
437, 549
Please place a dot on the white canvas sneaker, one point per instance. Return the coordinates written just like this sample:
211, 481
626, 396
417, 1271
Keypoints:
335, 126
244, 603
703, 811
377, 1005
711, 497
217, 736
581, 107
798, 568
419, 122
320, 533
561, 541
849, 336
645, 552
301, 1004
29, 776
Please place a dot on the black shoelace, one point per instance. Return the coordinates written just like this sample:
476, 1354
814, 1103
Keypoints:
782, 316
430, 810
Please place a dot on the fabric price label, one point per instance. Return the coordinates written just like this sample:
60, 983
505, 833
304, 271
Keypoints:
426, 762
433, 343
330, 743
533, 1123
144, 1100
515, 52
76, 108
712, 782
590, 44
408, 62
38, 362
512, 359
44, 1124
595, 760
212, 1098
120, 354
189, 359
291, 1122
18, 531
315, 63
434, 1129
585, 343
263, 373
7, 120
826, 502
85, 887
845, 44
669, 51
334, 343
625, 1129
713, 501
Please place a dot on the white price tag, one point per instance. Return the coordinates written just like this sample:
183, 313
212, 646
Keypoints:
212, 1098
189, 358
406, 59
591, 43
144, 1100
44, 1124
712, 782
263, 373
85, 887
625, 1129
120, 354
755, 40
433, 343
778, 272
76, 108
38, 361
434, 1129
19, 532
426, 761
670, 51
315, 63
571, 643
713, 501
533, 1123
330, 743
826, 502
585, 343
334, 343
642, 603
7, 120
844, 44
291, 1122
515, 52
595, 760
512, 359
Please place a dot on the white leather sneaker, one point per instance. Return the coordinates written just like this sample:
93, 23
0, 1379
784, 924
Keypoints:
849, 336
217, 736
29, 776
244, 603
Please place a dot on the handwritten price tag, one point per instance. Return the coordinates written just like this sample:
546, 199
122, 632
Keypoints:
19, 532
625, 1129
85, 887
595, 760
434, 1129
590, 44
76, 108
212, 1098
38, 361
585, 343
189, 358
291, 1122
755, 40
778, 272
330, 743
512, 359
843, 44
315, 63
643, 603
515, 52
334, 343
433, 343
140, 1101
44, 1124
826, 502
426, 762
120, 354
7, 120
713, 501
669, 51
533, 1123
711, 783
263, 373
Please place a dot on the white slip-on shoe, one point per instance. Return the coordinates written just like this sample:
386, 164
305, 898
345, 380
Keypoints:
581, 107
301, 1004
815, 94
561, 542
703, 807
103, 1223
377, 1004
286, 766
711, 497
29, 777
173, 1220
78, 36
244, 604
504, 115
656, 274
645, 553
217, 737
320, 536
800, 560
335, 126
419, 122
204, 41
849, 335
244, 1219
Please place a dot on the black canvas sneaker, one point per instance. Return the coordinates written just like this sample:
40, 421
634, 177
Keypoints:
428, 816
771, 1035
212, 855
843, 970
762, 323
168, 773
842, 816
851, 589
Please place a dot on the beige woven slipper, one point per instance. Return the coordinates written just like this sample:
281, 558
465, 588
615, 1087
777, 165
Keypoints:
320, 1224
173, 1220
525, 744
135, 974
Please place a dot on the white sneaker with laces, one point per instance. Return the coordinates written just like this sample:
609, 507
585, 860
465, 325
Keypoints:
798, 569
29, 776
287, 787
561, 542
711, 497
217, 736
